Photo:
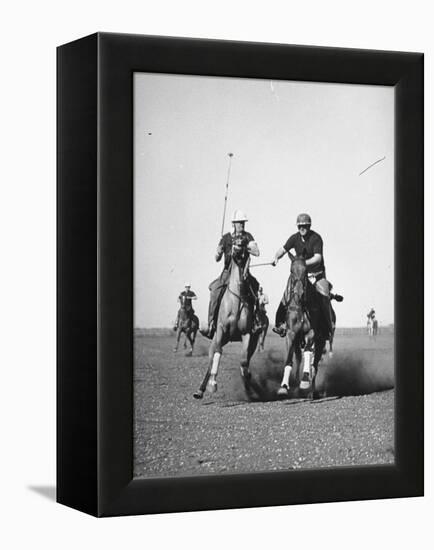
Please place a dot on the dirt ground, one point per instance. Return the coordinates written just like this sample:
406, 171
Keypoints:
177, 435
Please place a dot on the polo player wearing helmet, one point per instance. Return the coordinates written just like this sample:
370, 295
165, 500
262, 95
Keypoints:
185, 298
239, 238
309, 244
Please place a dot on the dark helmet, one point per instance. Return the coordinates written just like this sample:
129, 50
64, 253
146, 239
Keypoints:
304, 219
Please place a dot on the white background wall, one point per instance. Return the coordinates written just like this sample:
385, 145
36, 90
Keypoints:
30, 32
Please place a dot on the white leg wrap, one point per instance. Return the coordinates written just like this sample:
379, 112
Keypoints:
215, 363
286, 375
306, 361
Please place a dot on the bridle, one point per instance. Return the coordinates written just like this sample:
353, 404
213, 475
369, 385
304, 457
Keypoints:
243, 269
297, 292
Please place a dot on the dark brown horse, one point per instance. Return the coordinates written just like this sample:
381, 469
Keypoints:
188, 324
234, 323
306, 332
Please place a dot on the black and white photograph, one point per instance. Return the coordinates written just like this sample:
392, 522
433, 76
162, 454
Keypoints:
263, 275
217, 298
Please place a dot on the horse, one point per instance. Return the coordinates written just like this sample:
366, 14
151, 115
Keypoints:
188, 324
235, 322
306, 332
262, 327
372, 327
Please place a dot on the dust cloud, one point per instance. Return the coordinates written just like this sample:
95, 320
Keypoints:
347, 373
356, 374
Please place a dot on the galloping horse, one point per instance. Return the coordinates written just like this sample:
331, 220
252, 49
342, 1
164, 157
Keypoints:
262, 328
234, 323
305, 330
188, 323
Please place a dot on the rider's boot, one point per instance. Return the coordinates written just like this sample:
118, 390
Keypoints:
327, 313
280, 330
280, 327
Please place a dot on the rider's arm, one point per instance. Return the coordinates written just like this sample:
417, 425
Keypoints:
219, 253
221, 247
281, 252
317, 251
316, 259
253, 248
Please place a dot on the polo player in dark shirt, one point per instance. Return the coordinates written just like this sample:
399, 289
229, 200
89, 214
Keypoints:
238, 238
185, 298
309, 244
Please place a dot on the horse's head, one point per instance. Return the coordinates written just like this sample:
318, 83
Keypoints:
240, 253
298, 277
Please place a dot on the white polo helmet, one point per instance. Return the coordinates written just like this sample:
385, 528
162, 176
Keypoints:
187, 284
239, 216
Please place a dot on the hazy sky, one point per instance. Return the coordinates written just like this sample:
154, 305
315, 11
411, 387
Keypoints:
298, 147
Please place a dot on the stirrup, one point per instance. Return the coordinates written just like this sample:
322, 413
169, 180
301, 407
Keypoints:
280, 331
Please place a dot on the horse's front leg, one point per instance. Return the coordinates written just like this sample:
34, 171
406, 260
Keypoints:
307, 360
188, 337
178, 336
249, 343
283, 391
214, 355
319, 346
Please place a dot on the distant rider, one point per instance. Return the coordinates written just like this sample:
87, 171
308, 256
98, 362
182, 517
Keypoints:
308, 243
185, 299
238, 238
371, 314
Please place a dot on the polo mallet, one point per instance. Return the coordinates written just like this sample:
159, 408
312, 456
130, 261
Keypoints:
259, 265
199, 394
230, 155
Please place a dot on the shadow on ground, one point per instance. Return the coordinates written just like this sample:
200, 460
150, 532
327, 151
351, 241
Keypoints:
46, 491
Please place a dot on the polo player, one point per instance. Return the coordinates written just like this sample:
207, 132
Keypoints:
238, 239
185, 298
309, 244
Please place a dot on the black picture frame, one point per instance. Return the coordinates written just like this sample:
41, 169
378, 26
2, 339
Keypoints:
95, 266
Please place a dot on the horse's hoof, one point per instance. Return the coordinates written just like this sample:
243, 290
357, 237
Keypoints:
245, 373
198, 394
175, 350
283, 391
330, 354
212, 386
305, 382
